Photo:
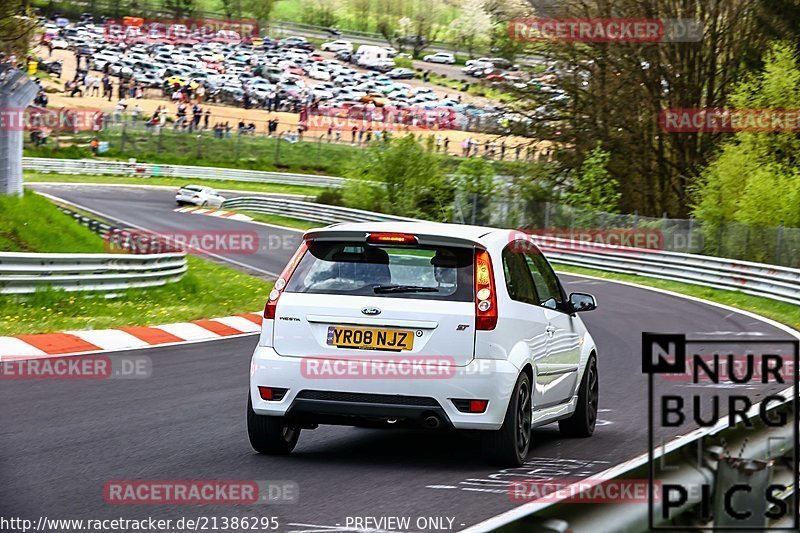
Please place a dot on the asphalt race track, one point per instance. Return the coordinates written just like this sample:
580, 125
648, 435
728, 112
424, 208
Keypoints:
63, 440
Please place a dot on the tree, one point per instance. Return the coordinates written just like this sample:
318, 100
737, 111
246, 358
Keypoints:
422, 26
473, 27
594, 187
261, 10
615, 92
232, 8
361, 10
320, 12
411, 181
17, 27
475, 179
179, 8
755, 179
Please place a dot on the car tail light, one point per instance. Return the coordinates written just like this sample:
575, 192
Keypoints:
272, 394
391, 238
470, 406
485, 294
280, 283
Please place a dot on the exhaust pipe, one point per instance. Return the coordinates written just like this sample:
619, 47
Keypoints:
432, 422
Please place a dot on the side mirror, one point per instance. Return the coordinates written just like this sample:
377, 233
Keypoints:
580, 302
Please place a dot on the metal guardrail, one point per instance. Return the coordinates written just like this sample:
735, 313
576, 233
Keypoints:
146, 170
758, 279
22, 273
326, 214
706, 457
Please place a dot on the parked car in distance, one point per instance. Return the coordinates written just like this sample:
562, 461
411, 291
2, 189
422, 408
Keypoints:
337, 46
440, 57
401, 74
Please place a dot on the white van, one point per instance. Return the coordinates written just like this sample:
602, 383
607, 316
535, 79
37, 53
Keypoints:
368, 55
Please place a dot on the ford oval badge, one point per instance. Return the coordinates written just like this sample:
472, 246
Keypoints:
371, 311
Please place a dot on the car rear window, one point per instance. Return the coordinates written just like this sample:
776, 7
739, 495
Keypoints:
359, 269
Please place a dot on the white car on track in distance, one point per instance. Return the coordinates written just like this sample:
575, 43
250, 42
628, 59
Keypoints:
199, 196
422, 324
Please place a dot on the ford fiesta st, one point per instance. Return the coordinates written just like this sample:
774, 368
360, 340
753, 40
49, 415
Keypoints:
436, 325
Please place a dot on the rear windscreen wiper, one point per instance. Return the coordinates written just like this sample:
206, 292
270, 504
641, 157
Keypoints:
386, 289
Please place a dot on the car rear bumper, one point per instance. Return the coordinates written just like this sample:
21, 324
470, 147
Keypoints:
338, 400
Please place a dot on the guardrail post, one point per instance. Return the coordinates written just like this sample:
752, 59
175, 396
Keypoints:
780, 244
750, 473
122, 140
277, 149
17, 90
199, 146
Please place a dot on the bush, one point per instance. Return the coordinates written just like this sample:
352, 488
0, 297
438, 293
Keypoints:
403, 62
362, 195
410, 181
330, 197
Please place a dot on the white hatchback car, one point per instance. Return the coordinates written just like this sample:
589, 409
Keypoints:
422, 324
199, 196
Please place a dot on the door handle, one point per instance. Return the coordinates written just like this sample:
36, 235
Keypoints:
550, 330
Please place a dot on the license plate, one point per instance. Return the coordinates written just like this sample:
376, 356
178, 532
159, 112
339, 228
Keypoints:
370, 339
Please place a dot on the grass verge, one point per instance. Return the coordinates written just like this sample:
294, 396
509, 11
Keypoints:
783, 312
33, 224
33, 177
208, 290
279, 220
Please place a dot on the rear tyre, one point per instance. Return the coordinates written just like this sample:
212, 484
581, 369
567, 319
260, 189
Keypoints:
509, 445
583, 420
270, 435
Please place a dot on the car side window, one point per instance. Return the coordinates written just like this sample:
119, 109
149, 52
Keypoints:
519, 282
544, 278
